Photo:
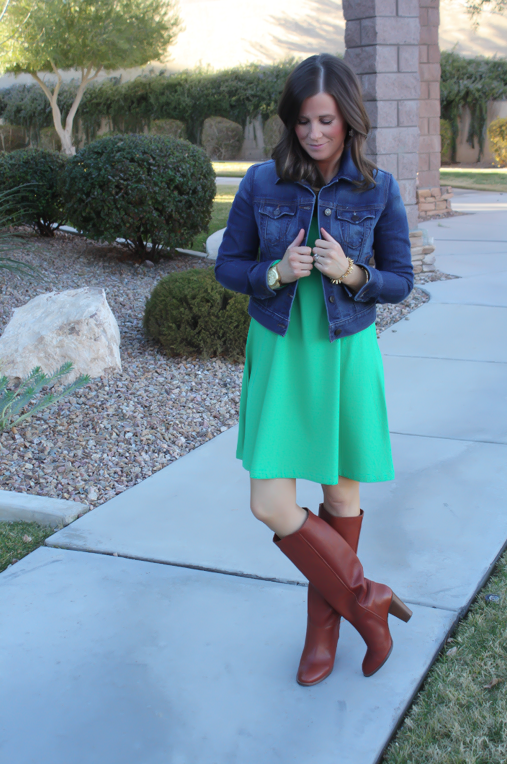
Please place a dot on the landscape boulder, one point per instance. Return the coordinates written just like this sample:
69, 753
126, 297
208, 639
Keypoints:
76, 325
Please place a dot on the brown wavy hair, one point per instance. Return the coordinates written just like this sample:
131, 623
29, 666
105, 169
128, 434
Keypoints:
328, 74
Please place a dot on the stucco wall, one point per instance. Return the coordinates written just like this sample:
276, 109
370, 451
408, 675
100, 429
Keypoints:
223, 33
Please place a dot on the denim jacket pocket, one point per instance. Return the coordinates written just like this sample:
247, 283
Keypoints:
355, 227
277, 223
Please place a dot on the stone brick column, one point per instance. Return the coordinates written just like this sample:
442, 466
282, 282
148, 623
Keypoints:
432, 199
429, 107
382, 41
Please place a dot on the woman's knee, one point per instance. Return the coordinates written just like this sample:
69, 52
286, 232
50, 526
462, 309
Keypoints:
343, 498
270, 498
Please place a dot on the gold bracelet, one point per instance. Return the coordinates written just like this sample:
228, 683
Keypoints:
347, 272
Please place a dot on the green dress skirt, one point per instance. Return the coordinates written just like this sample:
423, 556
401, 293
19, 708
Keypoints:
311, 408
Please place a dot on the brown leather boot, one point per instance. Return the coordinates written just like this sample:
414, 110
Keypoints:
323, 625
334, 569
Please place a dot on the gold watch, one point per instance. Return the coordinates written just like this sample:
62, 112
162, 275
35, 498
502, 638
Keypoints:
273, 277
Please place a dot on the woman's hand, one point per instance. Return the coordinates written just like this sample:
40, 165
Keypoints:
296, 262
330, 259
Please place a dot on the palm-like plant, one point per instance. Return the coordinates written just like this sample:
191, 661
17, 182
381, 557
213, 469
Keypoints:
12, 402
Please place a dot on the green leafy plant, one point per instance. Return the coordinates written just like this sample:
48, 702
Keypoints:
470, 82
190, 313
497, 133
476, 7
446, 138
37, 176
191, 97
155, 193
12, 402
88, 35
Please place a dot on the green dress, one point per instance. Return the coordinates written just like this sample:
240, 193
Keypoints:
311, 408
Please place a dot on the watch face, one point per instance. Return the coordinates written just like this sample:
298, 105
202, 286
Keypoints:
272, 277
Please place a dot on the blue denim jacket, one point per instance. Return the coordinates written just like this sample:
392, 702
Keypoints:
265, 218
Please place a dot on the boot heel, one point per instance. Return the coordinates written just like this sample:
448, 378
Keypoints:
399, 609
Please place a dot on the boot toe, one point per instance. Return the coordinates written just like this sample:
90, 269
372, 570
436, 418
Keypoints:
373, 661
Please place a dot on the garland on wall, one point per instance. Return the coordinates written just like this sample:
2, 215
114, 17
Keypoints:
190, 96
471, 82
236, 94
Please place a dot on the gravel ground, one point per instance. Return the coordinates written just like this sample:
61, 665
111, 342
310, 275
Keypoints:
119, 430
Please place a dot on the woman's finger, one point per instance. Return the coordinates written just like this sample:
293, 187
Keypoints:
327, 236
299, 238
306, 258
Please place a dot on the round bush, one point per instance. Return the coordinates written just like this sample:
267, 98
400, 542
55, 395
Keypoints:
497, 132
49, 139
221, 138
39, 175
154, 192
13, 137
172, 128
190, 313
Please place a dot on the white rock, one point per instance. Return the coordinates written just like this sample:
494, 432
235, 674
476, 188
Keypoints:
77, 325
429, 260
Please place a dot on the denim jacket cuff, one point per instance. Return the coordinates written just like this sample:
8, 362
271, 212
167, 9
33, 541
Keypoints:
371, 290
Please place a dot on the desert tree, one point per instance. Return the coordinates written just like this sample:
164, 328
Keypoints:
54, 36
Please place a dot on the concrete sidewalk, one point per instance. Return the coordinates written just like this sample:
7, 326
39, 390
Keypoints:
187, 651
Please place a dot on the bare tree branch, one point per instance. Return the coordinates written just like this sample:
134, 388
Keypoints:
5, 9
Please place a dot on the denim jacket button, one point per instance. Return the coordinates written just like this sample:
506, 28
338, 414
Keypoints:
331, 298
327, 212
337, 332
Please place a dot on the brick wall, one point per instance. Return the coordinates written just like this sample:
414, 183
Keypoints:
382, 39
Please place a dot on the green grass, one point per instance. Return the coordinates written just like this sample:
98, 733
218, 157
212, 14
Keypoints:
456, 718
221, 206
232, 169
19, 539
494, 179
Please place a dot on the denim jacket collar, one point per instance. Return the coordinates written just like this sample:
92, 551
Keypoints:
347, 171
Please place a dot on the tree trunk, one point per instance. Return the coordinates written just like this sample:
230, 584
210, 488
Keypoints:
65, 133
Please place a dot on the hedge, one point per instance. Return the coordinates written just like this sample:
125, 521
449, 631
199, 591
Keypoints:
190, 97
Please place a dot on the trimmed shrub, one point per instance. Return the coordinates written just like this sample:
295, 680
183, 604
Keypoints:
49, 139
38, 174
172, 128
190, 313
446, 139
12, 137
497, 133
155, 193
273, 130
221, 138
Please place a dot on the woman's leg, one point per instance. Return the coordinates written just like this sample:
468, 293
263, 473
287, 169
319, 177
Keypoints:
273, 502
342, 500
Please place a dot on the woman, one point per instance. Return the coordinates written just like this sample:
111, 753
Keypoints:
299, 241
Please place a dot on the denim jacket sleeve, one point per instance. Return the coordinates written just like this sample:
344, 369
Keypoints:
392, 278
237, 266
